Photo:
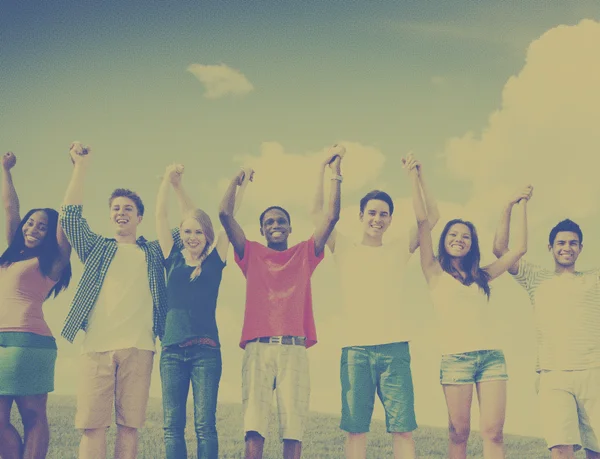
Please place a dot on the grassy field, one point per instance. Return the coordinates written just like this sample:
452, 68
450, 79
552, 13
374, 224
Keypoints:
324, 439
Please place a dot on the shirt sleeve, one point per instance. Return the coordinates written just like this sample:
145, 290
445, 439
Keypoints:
177, 238
243, 262
313, 260
527, 276
77, 230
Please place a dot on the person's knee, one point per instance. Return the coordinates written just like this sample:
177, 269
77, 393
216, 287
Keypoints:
126, 430
562, 451
403, 436
459, 433
31, 417
254, 436
205, 429
493, 434
94, 433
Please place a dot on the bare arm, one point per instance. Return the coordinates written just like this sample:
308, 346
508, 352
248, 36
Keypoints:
185, 202
327, 224
501, 238
234, 231
318, 201
429, 264
9, 196
222, 245
80, 158
509, 260
165, 238
64, 248
433, 213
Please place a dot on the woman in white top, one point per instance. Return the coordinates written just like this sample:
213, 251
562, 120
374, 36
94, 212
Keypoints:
470, 352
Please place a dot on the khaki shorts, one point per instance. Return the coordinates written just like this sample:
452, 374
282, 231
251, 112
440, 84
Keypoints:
283, 368
120, 378
570, 408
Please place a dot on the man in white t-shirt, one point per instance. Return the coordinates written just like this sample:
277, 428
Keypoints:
567, 321
375, 352
121, 305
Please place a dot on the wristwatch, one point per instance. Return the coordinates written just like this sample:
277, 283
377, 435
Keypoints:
339, 178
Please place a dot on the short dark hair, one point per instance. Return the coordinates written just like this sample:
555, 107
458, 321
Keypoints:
262, 216
125, 193
565, 225
380, 196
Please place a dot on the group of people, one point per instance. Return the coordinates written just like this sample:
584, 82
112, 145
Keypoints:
133, 291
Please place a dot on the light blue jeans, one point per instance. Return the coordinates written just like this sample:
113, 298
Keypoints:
201, 365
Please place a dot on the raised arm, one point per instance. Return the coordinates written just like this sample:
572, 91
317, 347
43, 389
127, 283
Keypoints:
429, 264
431, 207
9, 196
509, 260
316, 214
172, 176
222, 245
501, 237
234, 231
75, 227
80, 156
327, 224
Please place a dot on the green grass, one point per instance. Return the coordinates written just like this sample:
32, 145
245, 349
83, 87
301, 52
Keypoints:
323, 439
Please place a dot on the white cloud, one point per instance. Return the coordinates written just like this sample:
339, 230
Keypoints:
289, 179
221, 80
545, 133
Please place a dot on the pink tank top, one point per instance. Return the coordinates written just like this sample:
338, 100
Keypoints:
23, 289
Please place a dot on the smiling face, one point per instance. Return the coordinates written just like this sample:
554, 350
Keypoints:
566, 248
35, 229
275, 227
458, 240
124, 215
192, 236
376, 218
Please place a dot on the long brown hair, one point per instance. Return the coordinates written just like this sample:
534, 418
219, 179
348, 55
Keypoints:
209, 233
469, 263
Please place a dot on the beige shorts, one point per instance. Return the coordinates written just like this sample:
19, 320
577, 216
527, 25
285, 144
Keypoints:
570, 408
118, 378
283, 368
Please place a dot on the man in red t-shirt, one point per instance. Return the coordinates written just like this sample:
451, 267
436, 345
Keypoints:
278, 321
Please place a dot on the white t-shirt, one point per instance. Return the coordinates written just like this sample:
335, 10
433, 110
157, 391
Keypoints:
567, 316
464, 317
371, 282
122, 317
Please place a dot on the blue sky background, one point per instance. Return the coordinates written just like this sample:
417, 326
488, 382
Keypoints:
489, 95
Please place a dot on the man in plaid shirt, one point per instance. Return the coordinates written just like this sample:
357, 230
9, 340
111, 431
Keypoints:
121, 305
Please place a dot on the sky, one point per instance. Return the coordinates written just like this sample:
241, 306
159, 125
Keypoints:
490, 96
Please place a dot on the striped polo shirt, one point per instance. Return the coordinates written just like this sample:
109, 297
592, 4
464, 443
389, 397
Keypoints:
567, 316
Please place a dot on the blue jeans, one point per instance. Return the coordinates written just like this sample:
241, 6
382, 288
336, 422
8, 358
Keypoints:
202, 366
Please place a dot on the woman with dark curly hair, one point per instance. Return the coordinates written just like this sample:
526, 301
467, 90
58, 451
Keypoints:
34, 267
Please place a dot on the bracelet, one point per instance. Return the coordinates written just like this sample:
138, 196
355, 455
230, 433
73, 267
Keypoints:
339, 178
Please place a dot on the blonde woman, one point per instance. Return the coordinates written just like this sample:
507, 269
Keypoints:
194, 261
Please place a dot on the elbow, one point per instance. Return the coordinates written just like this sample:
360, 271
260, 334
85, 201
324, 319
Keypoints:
332, 219
498, 252
224, 215
522, 251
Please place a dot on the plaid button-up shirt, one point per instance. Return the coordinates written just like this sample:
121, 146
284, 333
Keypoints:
96, 253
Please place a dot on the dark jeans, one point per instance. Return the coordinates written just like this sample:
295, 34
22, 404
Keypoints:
202, 366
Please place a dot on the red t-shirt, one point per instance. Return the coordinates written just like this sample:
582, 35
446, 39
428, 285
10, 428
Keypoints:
278, 293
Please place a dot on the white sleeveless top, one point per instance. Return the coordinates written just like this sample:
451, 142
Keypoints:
464, 318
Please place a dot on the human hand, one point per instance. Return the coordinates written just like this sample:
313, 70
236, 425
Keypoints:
8, 160
78, 153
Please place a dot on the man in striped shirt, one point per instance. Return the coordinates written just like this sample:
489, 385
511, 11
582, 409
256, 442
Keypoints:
567, 319
120, 303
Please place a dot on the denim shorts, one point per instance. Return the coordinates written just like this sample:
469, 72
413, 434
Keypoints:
473, 367
383, 370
